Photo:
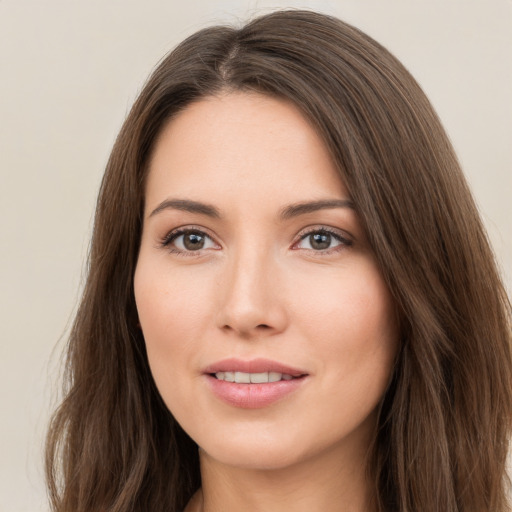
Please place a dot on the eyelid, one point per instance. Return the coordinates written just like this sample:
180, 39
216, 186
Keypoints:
172, 235
345, 238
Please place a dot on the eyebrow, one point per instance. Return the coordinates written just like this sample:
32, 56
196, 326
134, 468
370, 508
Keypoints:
187, 205
297, 209
288, 212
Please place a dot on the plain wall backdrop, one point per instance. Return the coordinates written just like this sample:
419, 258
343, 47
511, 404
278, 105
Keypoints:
69, 71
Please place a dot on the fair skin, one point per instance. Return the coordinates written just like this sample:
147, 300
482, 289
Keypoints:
252, 254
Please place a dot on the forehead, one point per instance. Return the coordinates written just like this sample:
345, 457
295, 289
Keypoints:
241, 145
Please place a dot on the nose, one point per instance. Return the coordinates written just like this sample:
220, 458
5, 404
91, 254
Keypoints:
252, 296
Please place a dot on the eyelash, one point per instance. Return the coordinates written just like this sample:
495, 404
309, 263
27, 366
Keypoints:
173, 235
345, 242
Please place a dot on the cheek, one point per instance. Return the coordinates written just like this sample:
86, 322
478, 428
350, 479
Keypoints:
351, 318
172, 312
171, 305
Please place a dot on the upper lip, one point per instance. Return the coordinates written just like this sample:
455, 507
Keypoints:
253, 366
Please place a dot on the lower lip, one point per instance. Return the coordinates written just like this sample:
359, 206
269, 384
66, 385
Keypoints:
253, 396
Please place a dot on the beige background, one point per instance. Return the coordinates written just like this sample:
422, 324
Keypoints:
69, 70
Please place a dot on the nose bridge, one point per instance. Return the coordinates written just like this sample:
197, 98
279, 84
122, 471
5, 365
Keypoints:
251, 296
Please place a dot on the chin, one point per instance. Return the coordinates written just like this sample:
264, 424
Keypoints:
278, 446
255, 456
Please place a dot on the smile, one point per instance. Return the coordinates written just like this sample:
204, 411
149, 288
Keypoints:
252, 378
253, 384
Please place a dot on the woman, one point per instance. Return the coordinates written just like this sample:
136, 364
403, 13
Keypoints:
291, 301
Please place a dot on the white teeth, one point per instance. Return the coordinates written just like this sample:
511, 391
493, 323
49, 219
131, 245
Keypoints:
242, 377
274, 376
259, 378
254, 378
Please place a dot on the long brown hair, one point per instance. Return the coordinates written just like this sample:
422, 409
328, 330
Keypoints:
442, 436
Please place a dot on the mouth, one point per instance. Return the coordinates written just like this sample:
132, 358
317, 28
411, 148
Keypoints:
253, 384
253, 378
255, 371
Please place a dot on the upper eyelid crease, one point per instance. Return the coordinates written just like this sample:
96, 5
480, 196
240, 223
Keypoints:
335, 233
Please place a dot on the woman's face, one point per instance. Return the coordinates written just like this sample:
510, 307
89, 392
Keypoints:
253, 266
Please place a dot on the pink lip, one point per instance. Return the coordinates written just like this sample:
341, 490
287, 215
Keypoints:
253, 366
253, 396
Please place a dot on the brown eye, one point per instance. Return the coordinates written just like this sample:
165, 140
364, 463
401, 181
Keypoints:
193, 241
322, 240
189, 241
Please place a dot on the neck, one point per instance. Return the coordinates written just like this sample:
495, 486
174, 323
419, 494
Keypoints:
320, 483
